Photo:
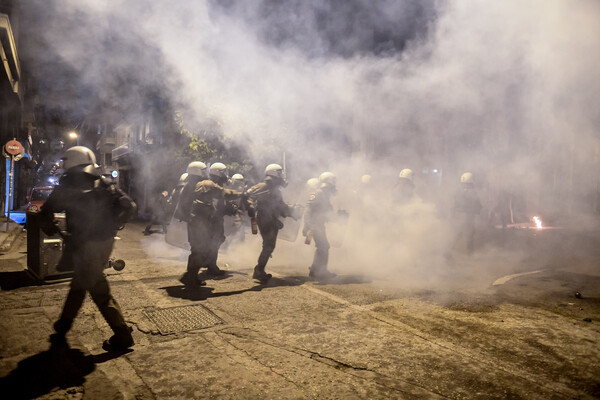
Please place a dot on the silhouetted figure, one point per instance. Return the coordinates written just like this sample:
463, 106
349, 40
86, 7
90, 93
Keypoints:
205, 223
318, 212
466, 209
160, 213
265, 203
95, 209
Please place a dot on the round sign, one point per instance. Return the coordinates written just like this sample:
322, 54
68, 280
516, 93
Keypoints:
13, 147
20, 155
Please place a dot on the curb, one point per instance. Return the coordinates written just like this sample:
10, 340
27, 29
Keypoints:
10, 239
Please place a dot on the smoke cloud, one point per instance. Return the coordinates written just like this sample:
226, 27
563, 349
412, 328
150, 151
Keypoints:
507, 90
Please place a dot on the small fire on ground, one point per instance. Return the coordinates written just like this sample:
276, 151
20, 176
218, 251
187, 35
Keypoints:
537, 221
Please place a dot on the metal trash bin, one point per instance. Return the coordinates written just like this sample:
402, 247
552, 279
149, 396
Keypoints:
43, 251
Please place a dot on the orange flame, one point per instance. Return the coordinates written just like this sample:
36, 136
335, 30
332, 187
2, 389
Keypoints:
538, 222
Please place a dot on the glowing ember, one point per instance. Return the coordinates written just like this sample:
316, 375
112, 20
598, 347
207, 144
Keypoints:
538, 222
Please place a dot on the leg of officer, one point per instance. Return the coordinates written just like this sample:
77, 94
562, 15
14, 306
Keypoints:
199, 238
268, 233
321, 258
71, 308
217, 237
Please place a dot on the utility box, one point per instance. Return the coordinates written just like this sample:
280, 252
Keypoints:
44, 252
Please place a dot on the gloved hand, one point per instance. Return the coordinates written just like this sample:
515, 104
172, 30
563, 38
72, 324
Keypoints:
305, 230
297, 211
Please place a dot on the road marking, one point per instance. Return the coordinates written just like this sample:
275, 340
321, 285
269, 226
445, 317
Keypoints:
504, 279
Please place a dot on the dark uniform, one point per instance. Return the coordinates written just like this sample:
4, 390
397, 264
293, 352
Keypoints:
183, 212
466, 209
160, 215
173, 199
404, 191
318, 212
205, 226
94, 209
265, 202
235, 209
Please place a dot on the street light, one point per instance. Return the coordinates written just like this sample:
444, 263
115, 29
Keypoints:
74, 135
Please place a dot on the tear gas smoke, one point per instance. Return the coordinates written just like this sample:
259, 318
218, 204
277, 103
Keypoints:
507, 90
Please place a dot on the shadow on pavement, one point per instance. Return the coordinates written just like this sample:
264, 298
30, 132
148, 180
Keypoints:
204, 292
186, 293
58, 367
343, 280
16, 280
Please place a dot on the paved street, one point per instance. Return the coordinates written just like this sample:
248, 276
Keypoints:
372, 333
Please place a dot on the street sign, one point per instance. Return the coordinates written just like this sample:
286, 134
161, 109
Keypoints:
20, 155
14, 151
13, 147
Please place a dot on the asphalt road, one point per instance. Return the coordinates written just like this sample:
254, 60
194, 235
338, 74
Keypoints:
375, 332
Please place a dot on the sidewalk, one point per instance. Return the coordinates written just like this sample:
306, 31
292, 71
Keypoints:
294, 338
8, 234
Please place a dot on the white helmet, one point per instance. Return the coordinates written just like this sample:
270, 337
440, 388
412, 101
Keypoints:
218, 169
237, 181
183, 177
406, 173
197, 168
312, 183
78, 155
327, 178
467, 177
274, 170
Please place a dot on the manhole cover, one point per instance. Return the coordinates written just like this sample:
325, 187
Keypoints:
182, 318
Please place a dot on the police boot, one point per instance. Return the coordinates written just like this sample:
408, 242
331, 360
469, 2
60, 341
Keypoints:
215, 271
120, 341
261, 275
322, 273
61, 327
326, 274
190, 280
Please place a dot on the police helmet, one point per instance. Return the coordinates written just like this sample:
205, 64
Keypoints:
81, 156
467, 177
327, 178
274, 170
406, 173
218, 170
197, 168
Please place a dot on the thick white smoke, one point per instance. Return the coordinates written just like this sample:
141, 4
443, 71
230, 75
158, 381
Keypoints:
508, 90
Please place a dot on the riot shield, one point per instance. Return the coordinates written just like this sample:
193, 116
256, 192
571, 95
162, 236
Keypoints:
231, 224
291, 226
177, 234
336, 228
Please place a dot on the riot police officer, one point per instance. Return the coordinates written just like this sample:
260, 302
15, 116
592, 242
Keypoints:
160, 213
234, 223
196, 171
318, 212
404, 191
175, 195
94, 210
205, 226
467, 207
265, 203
